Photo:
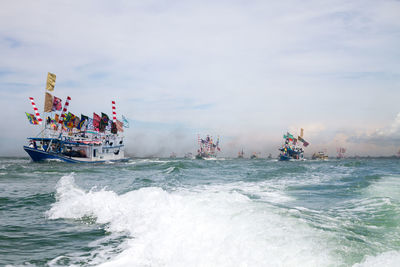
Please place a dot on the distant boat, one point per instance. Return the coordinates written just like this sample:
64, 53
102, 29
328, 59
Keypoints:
340, 152
241, 154
270, 156
291, 149
319, 156
172, 156
71, 138
255, 155
207, 148
188, 155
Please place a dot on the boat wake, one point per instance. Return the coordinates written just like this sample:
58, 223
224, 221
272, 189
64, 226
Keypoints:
185, 228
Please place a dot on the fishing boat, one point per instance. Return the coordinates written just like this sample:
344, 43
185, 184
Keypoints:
292, 149
255, 155
241, 154
73, 139
207, 148
188, 155
321, 155
340, 152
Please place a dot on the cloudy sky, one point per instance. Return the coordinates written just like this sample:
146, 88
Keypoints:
247, 71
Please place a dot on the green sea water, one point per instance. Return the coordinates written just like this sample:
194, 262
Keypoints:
183, 212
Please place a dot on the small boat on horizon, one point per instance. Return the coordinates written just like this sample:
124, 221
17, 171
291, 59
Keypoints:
207, 148
241, 154
255, 155
321, 155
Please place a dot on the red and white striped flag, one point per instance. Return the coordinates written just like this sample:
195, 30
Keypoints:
36, 110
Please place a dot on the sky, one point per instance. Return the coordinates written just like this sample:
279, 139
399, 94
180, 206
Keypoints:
247, 71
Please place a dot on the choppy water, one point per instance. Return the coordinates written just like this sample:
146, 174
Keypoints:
163, 212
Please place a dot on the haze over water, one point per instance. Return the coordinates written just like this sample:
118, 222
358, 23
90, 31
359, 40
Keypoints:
181, 212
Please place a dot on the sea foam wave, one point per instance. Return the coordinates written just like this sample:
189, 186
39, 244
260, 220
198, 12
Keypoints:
387, 259
184, 228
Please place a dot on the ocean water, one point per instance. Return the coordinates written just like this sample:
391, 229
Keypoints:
182, 212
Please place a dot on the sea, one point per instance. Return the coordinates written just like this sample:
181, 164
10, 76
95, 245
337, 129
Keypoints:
187, 212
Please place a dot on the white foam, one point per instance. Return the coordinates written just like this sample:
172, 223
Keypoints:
201, 228
387, 259
388, 186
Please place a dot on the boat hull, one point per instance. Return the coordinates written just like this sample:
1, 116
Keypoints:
284, 158
41, 155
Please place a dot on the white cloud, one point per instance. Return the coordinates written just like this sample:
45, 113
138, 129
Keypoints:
387, 136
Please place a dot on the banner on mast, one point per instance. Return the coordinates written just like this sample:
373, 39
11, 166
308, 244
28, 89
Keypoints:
96, 121
51, 81
48, 102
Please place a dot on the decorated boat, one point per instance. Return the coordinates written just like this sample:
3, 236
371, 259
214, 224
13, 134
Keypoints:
255, 155
321, 155
241, 154
69, 138
340, 152
293, 149
207, 148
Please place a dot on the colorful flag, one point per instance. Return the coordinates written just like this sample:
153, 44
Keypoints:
82, 122
125, 122
69, 120
120, 126
103, 122
67, 117
57, 104
32, 119
90, 124
96, 121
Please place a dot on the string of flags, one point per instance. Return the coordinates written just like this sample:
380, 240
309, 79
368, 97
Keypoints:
69, 121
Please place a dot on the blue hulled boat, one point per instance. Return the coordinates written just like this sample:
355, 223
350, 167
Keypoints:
291, 149
69, 138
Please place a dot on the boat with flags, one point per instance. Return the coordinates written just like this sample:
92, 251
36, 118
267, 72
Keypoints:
241, 154
207, 148
70, 138
340, 152
292, 149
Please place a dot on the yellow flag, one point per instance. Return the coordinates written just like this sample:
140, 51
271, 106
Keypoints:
51, 81
301, 132
48, 102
